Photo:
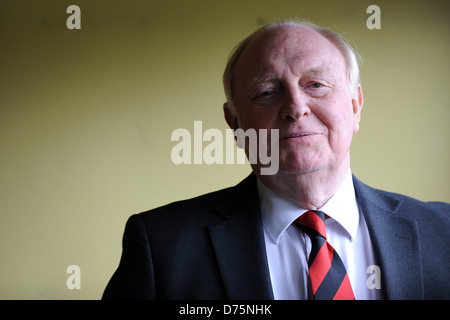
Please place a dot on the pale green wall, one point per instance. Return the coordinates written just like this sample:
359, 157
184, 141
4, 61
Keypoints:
86, 117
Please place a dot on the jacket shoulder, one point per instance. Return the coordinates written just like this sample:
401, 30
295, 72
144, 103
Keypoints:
203, 209
403, 205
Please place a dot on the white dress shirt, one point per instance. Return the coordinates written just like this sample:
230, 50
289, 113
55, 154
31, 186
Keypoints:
288, 248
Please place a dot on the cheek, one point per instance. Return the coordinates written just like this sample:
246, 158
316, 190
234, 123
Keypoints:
339, 120
256, 118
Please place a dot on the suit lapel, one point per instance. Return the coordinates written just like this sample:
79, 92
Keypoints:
395, 241
238, 243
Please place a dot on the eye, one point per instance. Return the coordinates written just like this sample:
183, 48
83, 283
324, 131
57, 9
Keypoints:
266, 96
317, 89
316, 85
267, 93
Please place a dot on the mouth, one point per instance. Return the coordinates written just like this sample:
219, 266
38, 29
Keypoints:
299, 135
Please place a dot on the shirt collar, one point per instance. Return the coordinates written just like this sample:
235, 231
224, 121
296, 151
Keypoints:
278, 213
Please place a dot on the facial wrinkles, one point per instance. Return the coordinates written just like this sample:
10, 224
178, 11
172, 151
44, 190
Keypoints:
279, 56
297, 61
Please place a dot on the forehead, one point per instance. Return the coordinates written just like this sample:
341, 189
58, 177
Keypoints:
296, 48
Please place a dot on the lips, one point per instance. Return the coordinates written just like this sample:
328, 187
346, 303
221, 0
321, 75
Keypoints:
297, 135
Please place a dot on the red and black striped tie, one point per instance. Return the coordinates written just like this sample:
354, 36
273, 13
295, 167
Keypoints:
329, 279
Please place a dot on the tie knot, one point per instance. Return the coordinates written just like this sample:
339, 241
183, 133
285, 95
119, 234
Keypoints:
313, 223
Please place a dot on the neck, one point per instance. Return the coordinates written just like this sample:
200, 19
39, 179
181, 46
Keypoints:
309, 190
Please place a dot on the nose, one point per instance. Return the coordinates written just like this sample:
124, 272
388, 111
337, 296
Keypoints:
294, 105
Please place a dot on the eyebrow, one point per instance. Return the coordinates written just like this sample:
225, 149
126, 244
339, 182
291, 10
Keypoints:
317, 71
314, 72
257, 81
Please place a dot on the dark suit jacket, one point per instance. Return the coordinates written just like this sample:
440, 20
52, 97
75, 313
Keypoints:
212, 247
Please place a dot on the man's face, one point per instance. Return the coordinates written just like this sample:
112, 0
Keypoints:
295, 80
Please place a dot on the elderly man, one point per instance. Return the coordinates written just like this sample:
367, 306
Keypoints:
310, 231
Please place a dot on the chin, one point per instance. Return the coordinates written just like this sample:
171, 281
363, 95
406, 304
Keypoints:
295, 164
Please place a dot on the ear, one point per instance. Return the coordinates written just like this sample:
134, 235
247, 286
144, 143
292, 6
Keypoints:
357, 103
230, 116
